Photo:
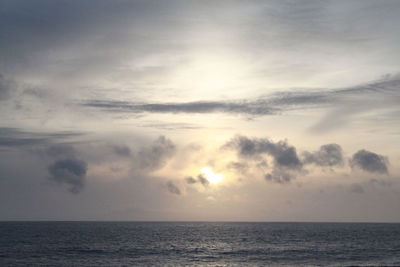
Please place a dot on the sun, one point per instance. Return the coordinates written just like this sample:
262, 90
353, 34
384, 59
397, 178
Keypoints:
214, 178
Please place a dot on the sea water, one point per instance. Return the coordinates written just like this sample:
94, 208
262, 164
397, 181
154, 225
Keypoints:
198, 243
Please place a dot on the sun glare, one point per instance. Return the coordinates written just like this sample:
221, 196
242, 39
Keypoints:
212, 177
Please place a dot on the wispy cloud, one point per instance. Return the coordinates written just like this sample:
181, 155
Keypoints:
13, 137
239, 107
375, 95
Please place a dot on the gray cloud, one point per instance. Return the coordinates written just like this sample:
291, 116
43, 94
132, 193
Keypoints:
328, 155
171, 126
284, 155
190, 180
13, 137
239, 107
286, 161
203, 180
369, 162
172, 188
71, 172
354, 99
199, 179
280, 176
155, 156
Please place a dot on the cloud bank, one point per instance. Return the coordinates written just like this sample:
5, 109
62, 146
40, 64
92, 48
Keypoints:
287, 164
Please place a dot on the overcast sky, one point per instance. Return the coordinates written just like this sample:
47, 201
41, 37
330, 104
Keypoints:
200, 110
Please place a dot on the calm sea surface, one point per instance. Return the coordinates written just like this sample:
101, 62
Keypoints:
205, 244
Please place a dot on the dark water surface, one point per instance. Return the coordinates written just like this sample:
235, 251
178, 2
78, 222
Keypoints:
206, 244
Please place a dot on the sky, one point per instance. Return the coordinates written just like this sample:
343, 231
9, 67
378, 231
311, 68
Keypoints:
200, 110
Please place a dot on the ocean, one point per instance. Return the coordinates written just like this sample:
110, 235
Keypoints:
198, 244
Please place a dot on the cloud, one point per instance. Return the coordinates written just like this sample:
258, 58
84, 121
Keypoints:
239, 107
172, 188
156, 156
328, 155
203, 180
171, 126
350, 100
13, 137
280, 176
71, 172
369, 162
286, 161
199, 179
284, 155
190, 180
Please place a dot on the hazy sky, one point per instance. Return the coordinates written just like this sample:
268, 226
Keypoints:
200, 110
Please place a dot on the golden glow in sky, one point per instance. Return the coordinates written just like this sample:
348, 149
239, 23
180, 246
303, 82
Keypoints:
214, 178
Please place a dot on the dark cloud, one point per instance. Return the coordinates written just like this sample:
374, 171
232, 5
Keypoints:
155, 156
190, 180
328, 155
280, 176
284, 155
202, 180
286, 161
369, 162
71, 172
199, 179
13, 137
240, 107
172, 188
